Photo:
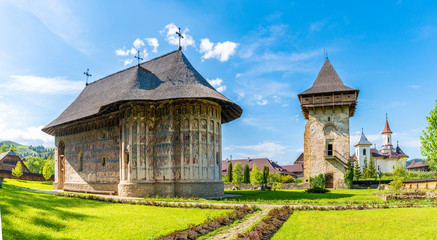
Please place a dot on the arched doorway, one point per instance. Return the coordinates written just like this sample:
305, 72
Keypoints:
61, 165
329, 181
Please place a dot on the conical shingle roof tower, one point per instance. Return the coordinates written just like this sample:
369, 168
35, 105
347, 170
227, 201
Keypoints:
327, 106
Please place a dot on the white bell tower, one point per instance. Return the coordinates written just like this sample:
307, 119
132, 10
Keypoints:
386, 138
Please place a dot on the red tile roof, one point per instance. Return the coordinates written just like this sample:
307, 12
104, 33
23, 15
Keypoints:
386, 127
295, 168
415, 164
300, 159
260, 162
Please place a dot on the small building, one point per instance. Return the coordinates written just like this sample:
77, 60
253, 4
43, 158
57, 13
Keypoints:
385, 158
9, 160
154, 128
297, 168
418, 166
260, 163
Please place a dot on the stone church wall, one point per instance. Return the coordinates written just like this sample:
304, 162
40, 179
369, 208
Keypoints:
98, 149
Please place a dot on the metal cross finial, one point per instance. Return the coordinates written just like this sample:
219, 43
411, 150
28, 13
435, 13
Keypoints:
87, 74
180, 36
139, 58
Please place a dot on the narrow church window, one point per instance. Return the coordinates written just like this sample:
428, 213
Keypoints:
388, 140
80, 162
329, 147
103, 161
364, 151
329, 119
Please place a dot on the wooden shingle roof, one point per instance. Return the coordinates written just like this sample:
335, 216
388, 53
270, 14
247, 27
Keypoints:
327, 81
170, 76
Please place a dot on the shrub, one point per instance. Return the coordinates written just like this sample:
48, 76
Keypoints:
274, 177
286, 179
348, 175
317, 184
299, 180
276, 186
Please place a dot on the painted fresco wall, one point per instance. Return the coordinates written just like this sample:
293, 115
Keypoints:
98, 149
171, 141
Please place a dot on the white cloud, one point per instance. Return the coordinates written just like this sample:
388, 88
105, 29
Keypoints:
217, 84
268, 149
153, 42
259, 123
138, 43
276, 99
219, 51
171, 37
238, 75
35, 84
60, 19
122, 52
414, 86
12, 128
127, 61
260, 100
317, 26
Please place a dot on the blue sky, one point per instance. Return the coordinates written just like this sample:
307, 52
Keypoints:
260, 54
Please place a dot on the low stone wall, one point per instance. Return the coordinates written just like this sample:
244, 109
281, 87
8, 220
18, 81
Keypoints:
256, 186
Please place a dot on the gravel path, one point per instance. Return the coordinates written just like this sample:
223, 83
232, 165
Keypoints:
233, 232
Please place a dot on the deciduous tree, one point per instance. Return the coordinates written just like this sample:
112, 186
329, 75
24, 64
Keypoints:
229, 177
256, 175
429, 139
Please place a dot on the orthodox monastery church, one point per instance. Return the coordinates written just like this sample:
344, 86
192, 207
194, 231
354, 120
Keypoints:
385, 158
154, 128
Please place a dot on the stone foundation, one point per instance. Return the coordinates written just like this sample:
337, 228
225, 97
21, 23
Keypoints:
172, 189
82, 187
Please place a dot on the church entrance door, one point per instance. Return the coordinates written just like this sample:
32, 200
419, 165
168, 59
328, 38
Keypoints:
329, 183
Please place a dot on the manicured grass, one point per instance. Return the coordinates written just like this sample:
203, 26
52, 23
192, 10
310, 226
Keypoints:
32, 215
298, 196
404, 223
28, 184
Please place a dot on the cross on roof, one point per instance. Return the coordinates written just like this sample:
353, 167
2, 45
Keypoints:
139, 58
87, 74
180, 36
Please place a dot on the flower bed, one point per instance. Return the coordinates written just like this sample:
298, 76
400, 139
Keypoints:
194, 232
269, 225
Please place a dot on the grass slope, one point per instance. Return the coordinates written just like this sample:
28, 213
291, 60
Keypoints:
28, 184
31, 215
24, 151
404, 223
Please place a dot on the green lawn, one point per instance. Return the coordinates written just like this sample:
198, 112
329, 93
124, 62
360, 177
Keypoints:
405, 223
31, 215
298, 196
28, 184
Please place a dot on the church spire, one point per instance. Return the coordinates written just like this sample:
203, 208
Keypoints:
386, 127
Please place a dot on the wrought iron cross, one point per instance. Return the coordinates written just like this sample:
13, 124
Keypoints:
139, 58
180, 36
87, 74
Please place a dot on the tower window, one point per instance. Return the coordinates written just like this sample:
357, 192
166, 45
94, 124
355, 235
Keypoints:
388, 139
329, 119
364, 151
103, 161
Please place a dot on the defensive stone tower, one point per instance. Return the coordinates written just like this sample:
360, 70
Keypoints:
327, 106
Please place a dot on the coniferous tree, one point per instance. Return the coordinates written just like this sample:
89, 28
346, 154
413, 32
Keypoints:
18, 170
246, 174
256, 175
229, 177
357, 171
372, 168
365, 168
429, 140
265, 174
237, 173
